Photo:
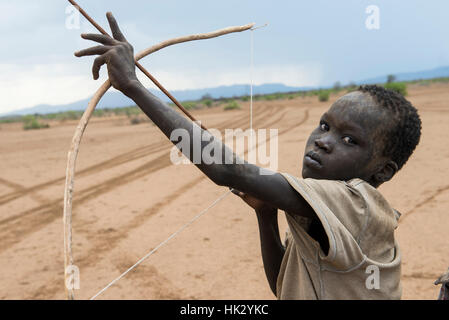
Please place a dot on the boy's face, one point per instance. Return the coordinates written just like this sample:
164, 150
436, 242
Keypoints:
348, 142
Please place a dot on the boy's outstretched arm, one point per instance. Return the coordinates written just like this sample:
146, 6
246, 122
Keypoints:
117, 53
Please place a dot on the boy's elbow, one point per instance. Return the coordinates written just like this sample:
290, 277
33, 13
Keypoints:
220, 175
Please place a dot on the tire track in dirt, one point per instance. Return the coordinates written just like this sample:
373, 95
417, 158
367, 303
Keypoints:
116, 161
102, 245
430, 198
12, 185
420, 275
21, 189
159, 286
106, 240
13, 229
160, 162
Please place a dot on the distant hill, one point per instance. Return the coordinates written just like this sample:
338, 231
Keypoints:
115, 99
409, 76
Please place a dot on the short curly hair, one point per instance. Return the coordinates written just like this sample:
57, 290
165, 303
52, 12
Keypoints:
403, 137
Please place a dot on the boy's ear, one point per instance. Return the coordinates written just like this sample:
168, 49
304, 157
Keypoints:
386, 172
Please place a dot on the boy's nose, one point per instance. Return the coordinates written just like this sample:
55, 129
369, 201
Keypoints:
324, 144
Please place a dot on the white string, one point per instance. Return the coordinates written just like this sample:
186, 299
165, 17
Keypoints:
251, 74
162, 244
251, 86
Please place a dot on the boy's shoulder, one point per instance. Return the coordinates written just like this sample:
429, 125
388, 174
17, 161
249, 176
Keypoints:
353, 207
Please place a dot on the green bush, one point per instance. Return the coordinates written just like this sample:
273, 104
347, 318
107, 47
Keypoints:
132, 111
232, 106
323, 95
269, 97
311, 93
99, 113
399, 87
188, 105
69, 115
31, 123
208, 102
11, 119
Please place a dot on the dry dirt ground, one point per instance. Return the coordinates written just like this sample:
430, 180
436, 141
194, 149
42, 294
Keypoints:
129, 197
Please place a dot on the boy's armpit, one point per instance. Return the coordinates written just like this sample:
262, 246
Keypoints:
317, 232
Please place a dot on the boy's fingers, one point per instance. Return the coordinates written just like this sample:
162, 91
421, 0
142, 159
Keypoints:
116, 33
98, 38
98, 62
93, 51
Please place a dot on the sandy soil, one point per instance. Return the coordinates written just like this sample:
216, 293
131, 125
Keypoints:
129, 197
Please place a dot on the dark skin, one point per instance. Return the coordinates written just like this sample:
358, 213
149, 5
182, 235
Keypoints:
340, 148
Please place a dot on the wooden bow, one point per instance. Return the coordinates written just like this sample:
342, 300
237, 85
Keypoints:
74, 148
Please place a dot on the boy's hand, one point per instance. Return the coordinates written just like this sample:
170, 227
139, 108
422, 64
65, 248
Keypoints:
256, 204
116, 52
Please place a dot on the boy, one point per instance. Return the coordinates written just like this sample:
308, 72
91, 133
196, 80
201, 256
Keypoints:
341, 244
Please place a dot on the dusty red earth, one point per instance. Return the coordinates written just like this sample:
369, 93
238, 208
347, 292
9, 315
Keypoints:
129, 197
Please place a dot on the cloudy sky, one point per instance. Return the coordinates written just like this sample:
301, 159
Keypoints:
307, 43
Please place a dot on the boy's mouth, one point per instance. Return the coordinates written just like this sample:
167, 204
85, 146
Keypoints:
312, 159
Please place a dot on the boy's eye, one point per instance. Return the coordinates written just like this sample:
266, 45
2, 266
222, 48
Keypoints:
324, 126
349, 140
